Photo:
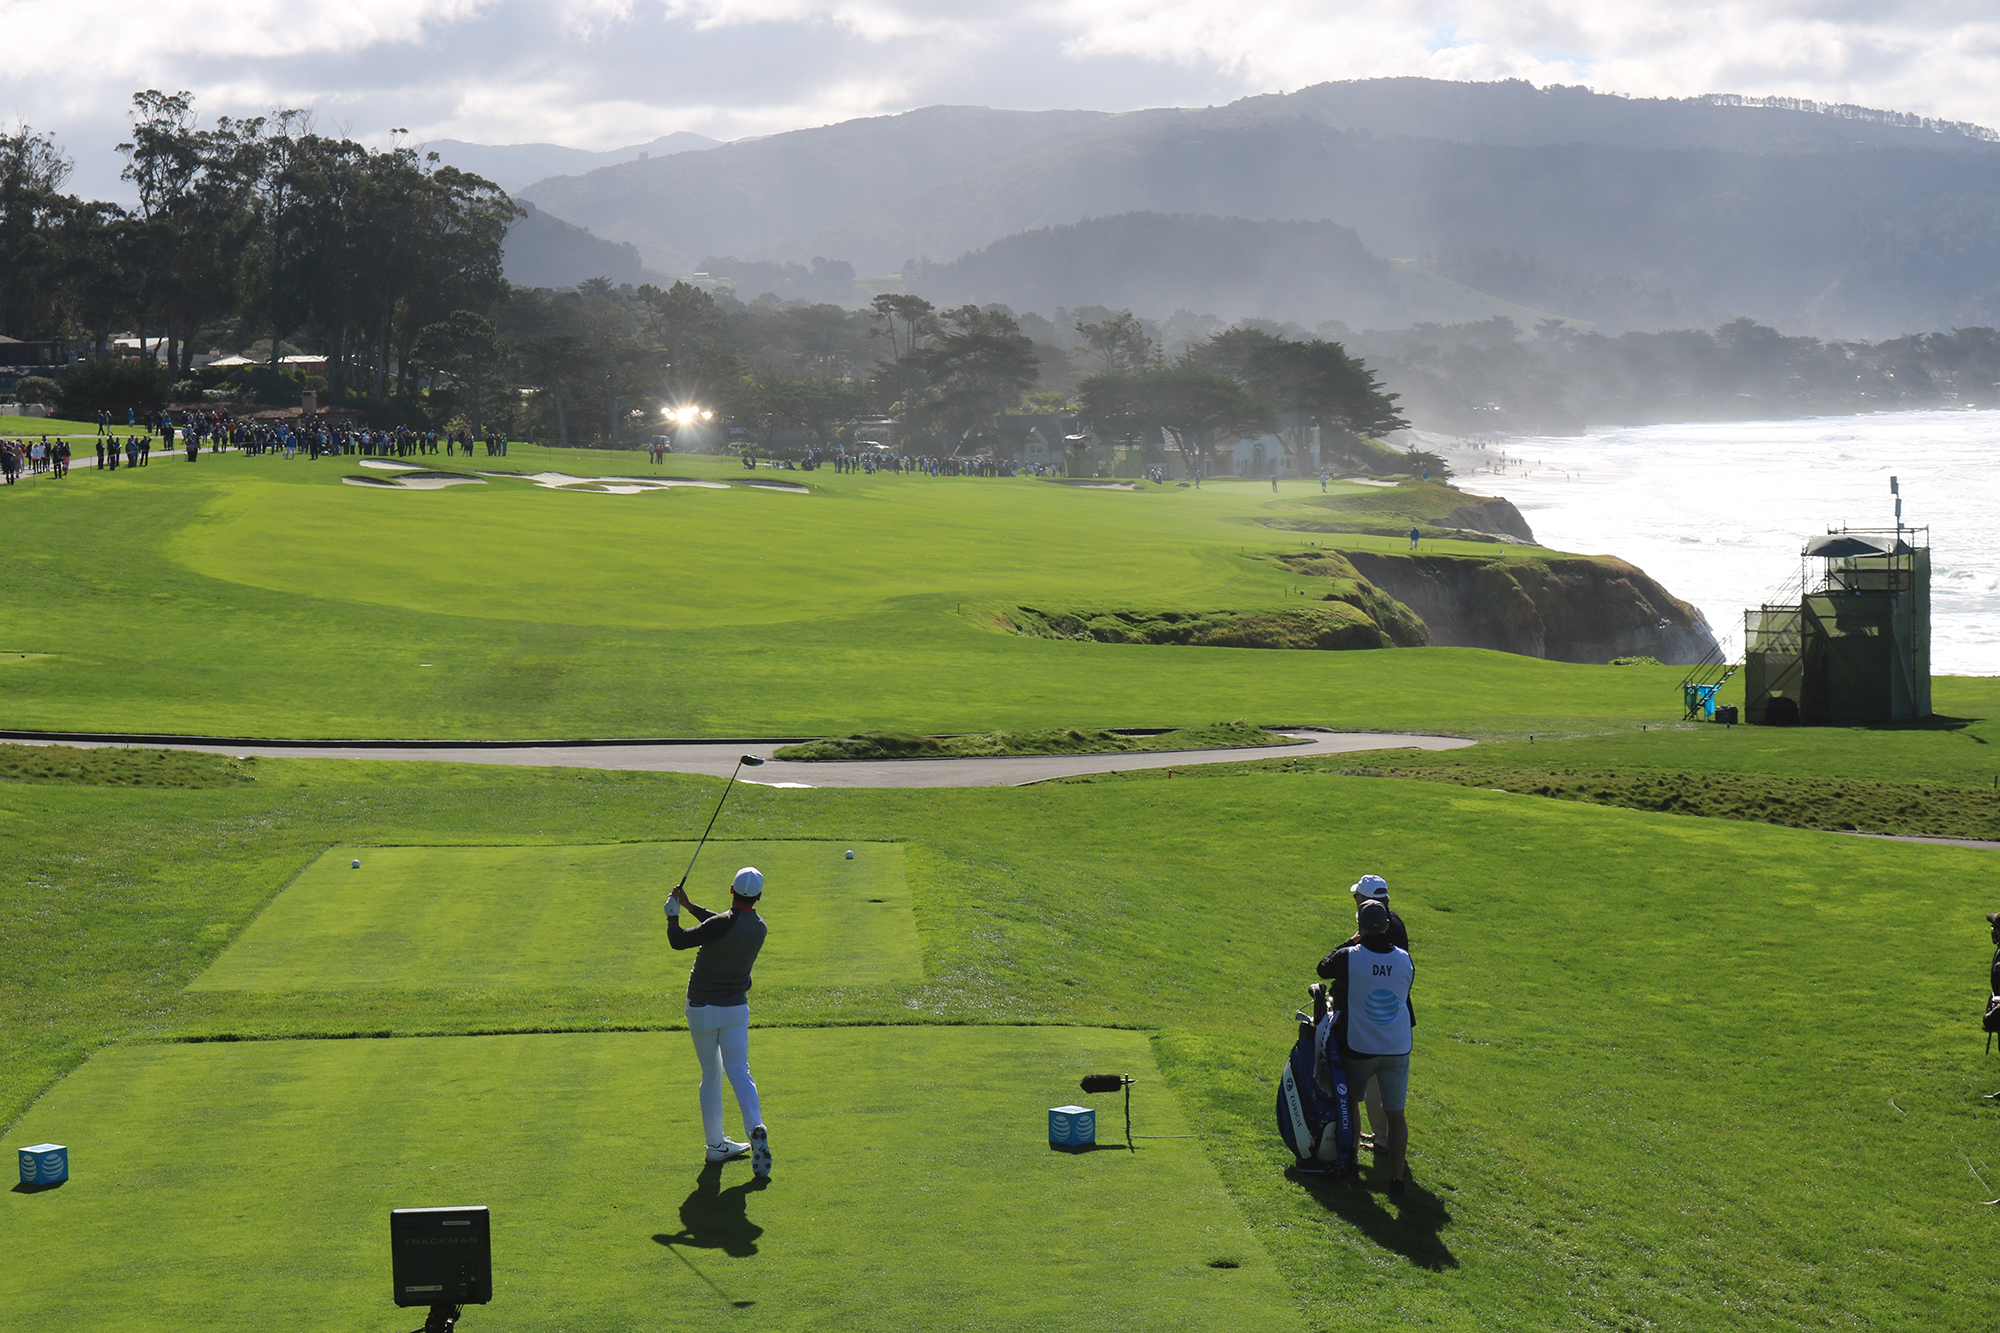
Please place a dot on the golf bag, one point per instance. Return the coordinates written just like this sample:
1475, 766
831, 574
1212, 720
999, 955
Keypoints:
1316, 1126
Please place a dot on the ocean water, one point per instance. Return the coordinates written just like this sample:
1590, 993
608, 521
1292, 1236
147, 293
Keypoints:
1718, 512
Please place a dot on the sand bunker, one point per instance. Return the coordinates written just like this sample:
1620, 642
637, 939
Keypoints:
1366, 481
413, 476
562, 481
415, 479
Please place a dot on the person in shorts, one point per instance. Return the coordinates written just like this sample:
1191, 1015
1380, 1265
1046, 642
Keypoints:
1370, 988
1363, 889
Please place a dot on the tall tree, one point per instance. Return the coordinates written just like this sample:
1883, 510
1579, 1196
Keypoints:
32, 172
464, 346
978, 368
1197, 406
907, 323
194, 187
1120, 343
1317, 384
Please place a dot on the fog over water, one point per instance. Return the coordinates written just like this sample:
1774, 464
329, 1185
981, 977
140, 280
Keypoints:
1718, 512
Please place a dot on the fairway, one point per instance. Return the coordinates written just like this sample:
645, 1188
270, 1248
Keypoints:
870, 603
246, 1186
569, 916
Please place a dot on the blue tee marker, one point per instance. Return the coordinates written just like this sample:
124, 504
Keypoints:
44, 1164
1072, 1126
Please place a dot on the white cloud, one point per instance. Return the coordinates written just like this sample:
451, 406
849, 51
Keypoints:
881, 22
73, 36
1938, 59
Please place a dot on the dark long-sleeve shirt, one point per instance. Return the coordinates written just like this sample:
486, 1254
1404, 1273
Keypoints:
728, 944
1399, 936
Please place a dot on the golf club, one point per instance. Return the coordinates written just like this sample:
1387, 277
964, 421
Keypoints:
749, 759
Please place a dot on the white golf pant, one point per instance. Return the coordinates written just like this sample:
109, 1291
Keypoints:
722, 1044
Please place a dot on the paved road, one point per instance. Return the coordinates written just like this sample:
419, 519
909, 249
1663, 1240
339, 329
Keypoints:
718, 758
1976, 844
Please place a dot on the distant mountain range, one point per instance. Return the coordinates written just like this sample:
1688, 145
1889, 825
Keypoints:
513, 165
1629, 212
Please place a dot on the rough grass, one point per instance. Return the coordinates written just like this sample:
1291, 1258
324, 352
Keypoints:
1355, 617
116, 766
1649, 1088
1924, 782
1925, 809
1050, 740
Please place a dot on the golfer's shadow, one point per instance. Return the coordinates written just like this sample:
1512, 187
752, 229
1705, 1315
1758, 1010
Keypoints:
714, 1218
1410, 1230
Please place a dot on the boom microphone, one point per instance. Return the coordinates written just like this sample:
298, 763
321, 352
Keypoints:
1113, 1083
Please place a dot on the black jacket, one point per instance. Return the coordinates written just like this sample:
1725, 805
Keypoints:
1399, 936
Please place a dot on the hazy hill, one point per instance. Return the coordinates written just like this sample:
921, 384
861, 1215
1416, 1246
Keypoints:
754, 198
1155, 264
513, 165
1513, 111
544, 251
1843, 222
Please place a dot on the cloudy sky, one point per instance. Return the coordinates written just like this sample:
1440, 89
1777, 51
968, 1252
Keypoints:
605, 73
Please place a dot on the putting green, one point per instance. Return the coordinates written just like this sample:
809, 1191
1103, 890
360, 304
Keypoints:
245, 1186
556, 916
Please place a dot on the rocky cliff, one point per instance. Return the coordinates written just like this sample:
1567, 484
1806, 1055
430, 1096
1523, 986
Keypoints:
1564, 608
1497, 517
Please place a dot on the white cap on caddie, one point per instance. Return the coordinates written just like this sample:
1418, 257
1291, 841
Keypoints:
749, 883
1371, 886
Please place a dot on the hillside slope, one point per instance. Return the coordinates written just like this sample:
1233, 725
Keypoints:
542, 250
1233, 268
1847, 224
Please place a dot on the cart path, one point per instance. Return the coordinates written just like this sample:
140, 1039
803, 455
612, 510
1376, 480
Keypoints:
1976, 844
717, 758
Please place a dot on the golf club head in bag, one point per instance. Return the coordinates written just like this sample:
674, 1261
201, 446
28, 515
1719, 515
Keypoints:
1317, 1128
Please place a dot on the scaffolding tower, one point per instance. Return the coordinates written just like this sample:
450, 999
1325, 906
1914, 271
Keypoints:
1856, 647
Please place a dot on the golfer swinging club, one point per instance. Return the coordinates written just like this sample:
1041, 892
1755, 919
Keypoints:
718, 1010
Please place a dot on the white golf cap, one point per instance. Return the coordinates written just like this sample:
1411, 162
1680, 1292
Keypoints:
1371, 886
749, 882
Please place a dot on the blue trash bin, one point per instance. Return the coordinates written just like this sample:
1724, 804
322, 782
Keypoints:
44, 1164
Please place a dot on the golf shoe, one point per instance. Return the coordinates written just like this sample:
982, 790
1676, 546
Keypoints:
728, 1150
760, 1152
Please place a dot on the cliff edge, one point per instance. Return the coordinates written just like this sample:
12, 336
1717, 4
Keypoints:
1563, 608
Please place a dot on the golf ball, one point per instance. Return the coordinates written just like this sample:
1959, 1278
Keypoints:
850, 855
357, 865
